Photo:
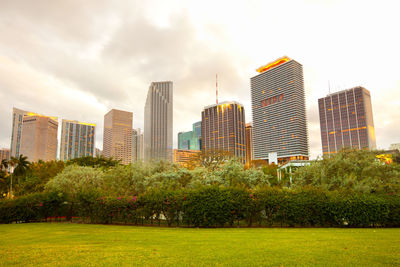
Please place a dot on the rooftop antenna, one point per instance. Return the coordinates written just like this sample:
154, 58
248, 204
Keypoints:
216, 87
329, 87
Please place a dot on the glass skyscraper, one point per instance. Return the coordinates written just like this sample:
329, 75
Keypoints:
77, 140
190, 140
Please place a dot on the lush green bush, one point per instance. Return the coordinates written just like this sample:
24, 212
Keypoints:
213, 206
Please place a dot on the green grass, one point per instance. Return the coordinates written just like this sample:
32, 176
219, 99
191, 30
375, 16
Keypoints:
102, 245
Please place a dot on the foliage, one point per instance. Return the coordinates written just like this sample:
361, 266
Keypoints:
95, 162
355, 170
74, 180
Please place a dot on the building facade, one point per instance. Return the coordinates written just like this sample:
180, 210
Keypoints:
190, 140
223, 129
346, 120
187, 158
158, 122
77, 140
16, 131
137, 145
4, 154
279, 112
249, 143
39, 137
117, 138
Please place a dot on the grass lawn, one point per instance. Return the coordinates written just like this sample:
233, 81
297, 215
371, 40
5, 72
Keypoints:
103, 245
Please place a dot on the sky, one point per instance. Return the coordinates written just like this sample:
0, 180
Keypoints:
79, 59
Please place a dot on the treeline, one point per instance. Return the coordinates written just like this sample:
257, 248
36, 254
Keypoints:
352, 188
213, 206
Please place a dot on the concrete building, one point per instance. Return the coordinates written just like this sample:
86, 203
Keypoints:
223, 129
137, 145
346, 120
4, 154
249, 143
39, 137
16, 131
117, 138
77, 140
158, 122
279, 112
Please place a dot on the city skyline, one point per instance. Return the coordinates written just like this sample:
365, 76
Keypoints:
80, 69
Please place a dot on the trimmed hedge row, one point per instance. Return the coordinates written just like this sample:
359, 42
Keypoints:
214, 207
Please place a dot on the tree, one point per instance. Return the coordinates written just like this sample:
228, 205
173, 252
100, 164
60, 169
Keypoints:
95, 162
4, 164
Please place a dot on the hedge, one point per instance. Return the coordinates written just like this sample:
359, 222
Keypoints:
212, 206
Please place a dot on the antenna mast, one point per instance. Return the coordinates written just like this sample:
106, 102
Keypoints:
216, 87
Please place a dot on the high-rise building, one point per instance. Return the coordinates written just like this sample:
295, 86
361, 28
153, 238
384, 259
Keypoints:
117, 139
249, 143
346, 120
190, 140
223, 129
158, 122
18, 115
137, 145
185, 140
39, 137
4, 154
279, 112
77, 140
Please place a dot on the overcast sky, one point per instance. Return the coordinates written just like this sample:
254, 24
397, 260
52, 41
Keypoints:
79, 59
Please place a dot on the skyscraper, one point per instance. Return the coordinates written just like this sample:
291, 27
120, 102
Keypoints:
117, 139
39, 137
77, 140
18, 115
249, 143
223, 129
4, 154
279, 112
137, 145
190, 140
158, 122
346, 120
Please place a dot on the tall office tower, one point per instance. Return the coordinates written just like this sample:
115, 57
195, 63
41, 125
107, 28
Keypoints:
18, 115
117, 139
346, 120
158, 122
4, 154
279, 112
190, 140
137, 145
77, 140
197, 135
185, 139
39, 137
223, 129
249, 143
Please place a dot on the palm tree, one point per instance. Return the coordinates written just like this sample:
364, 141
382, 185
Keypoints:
4, 164
21, 165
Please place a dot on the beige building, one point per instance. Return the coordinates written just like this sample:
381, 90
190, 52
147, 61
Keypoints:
117, 138
4, 154
17, 117
39, 137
